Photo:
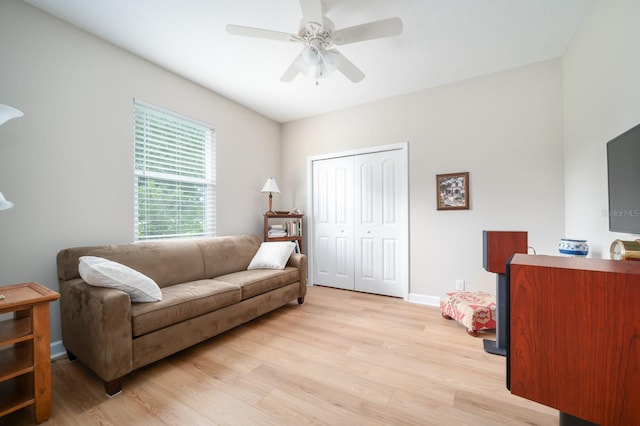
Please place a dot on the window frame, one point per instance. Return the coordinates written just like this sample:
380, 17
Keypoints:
186, 183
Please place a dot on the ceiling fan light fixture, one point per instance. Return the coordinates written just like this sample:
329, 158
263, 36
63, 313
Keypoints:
301, 65
311, 54
331, 60
317, 34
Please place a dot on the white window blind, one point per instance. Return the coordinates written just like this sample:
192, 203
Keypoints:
174, 175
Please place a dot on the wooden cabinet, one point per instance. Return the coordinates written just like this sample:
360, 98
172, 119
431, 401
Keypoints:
575, 336
25, 366
283, 227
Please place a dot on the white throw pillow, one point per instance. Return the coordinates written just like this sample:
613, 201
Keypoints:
100, 272
272, 255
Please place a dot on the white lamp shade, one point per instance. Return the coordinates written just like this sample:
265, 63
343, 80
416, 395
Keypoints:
4, 204
301, 65
311, 54
271, 186
331, 60
7, 113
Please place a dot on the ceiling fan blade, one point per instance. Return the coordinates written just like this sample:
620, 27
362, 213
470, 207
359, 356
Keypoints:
347, 68
293, 70
260, 33
311, 11
369, 31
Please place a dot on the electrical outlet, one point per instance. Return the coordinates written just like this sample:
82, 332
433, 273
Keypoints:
459, 285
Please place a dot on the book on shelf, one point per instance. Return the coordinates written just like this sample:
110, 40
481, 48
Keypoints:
288, 229
293, 228
274, 234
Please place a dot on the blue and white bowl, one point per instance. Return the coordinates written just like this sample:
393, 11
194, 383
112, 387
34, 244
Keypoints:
569, 247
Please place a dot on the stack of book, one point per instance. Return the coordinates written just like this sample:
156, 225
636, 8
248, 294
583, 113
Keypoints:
276, 231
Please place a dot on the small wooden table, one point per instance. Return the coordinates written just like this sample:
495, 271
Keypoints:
25, 364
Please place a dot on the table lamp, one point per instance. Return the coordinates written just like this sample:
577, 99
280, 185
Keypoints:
270, 186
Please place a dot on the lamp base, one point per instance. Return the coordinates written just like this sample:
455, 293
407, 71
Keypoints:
270, 213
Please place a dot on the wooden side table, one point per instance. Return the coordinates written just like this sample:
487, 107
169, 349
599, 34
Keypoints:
25, 364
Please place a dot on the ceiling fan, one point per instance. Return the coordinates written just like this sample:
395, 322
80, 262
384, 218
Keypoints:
318, 35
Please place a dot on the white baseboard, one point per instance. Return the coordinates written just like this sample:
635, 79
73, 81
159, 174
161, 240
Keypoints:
57, 350
424, 299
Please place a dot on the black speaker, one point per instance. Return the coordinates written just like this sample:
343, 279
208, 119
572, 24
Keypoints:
498, 247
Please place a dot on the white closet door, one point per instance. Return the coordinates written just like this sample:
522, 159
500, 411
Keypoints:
378, 223
333, 222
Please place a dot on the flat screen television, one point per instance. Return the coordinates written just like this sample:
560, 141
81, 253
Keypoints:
623, 168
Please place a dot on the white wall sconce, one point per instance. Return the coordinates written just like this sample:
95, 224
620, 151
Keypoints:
7, 113
4, 203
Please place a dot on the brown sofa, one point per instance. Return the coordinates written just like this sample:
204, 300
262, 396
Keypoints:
206, 290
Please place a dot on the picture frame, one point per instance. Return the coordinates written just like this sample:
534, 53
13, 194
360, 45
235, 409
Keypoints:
452, 191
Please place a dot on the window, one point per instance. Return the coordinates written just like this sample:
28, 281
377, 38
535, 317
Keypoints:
174, 187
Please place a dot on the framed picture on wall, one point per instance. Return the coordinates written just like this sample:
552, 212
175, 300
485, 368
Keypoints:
452, 190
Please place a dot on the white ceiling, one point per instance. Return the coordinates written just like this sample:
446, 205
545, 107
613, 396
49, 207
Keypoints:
443, 41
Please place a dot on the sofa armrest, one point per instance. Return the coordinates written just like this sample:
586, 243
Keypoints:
299, 260
96, 327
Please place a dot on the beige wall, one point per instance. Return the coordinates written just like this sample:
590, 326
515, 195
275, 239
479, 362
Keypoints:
68, 163
601, 101
505, 129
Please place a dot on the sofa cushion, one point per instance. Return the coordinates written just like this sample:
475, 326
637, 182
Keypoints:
223, 255
100, 272
257, 281
165, 262
272, 255
181, 302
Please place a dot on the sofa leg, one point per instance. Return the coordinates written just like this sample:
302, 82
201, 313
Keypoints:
113, 387
71, 356
300, 300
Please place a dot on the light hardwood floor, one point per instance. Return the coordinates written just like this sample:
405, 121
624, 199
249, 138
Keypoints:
341, 358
